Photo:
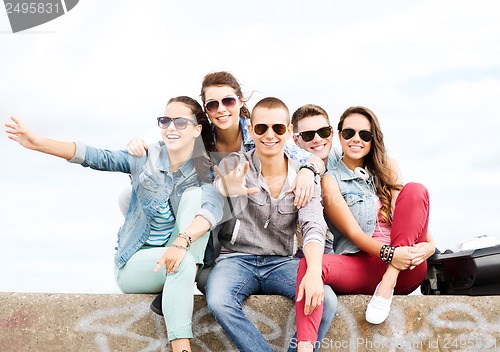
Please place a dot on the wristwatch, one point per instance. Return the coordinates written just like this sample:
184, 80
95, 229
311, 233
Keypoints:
310, 166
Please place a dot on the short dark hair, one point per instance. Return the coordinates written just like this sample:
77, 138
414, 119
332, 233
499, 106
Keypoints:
308, 110
270, 103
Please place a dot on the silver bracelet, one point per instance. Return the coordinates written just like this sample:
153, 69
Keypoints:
188, 238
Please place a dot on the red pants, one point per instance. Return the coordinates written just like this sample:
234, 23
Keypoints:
360, 273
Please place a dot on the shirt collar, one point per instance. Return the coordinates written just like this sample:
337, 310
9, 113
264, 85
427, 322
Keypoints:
247, 141
345, 173
164, 162
291, 171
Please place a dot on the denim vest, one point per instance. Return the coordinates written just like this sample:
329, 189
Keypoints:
333, 158
152, 184
358, 196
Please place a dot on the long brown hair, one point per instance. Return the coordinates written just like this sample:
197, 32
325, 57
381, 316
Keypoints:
223, 78
376, 160
203, 143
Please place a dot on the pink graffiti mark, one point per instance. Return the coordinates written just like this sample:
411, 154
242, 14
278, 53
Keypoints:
9, 345
19, 319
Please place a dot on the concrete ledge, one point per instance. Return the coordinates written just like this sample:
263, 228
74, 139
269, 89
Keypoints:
102, 323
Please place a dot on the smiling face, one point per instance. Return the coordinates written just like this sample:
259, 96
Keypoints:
318, 146
355, 149
180, 139
224, 117
270, 143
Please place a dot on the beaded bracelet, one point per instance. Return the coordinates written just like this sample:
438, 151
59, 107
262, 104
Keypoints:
188, 238
383, 253
178, 246
387, 253
391, 254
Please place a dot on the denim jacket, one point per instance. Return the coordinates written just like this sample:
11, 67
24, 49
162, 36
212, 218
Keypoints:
152, 184
266, 229
333, 158
358, 196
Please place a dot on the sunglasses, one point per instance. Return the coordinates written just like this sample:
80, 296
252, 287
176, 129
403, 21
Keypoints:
323, 132
180, 123
261, 128
348, 133
213, 105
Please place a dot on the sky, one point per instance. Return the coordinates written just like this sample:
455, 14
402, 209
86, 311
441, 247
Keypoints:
430, 70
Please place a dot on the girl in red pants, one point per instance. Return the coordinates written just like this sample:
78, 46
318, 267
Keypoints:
381, 241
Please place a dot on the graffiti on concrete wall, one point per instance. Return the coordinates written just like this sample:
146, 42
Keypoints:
442, 330
445, 330
119, 322
205, 329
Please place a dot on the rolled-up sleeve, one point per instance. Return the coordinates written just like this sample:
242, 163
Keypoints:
311, 219
296, 153
212, 204
79, 156
101, 159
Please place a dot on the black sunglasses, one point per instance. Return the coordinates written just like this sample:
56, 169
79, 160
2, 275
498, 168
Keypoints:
323, 132
213, 105
180, 123
348, 133
261, 128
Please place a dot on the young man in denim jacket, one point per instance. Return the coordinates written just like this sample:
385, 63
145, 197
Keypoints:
257, 256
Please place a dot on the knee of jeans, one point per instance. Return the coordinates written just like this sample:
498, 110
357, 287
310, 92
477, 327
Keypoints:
218, 301
330, 303
417, 190
214, 300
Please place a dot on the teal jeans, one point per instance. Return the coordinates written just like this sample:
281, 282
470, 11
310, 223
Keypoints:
137, 276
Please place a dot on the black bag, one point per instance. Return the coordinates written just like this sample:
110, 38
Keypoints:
474, 272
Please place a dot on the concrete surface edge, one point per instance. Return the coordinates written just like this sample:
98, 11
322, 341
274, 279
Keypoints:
116, 322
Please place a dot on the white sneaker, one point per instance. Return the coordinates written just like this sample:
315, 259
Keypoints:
378, 308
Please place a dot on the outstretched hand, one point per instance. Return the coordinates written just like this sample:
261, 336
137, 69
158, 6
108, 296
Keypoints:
19, 133
233, 182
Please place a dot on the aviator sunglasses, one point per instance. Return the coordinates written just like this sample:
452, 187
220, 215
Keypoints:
348, 133
323, 132
180, 123
261, 128
213, 105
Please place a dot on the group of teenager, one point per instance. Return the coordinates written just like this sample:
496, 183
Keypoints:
257, 202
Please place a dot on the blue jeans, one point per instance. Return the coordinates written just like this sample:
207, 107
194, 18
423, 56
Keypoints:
234, 279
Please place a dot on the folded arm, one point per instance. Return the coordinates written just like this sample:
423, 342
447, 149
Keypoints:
341, 217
